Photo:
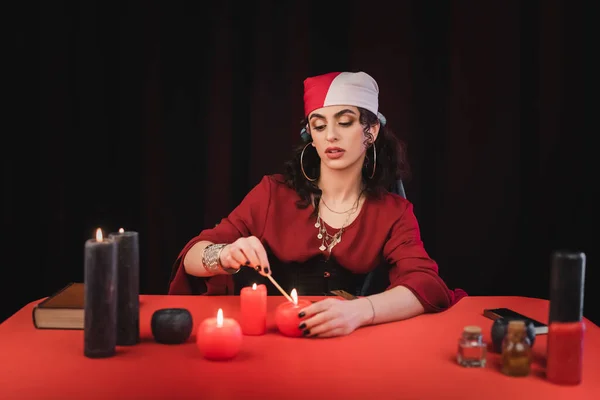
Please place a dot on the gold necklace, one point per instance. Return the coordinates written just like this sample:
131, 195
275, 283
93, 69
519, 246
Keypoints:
328, 241
341, 212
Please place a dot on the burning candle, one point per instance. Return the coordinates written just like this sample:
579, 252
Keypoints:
128, 292
253, 303
100, 297
219, 338
286, 315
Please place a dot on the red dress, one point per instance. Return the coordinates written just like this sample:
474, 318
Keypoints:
384, 236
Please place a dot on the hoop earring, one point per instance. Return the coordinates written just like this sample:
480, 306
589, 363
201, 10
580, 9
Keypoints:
374, 161
302, 164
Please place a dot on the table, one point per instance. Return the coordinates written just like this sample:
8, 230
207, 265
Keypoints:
412, 359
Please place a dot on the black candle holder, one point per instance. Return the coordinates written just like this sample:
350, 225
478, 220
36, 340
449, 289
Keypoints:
171, 325
500, 327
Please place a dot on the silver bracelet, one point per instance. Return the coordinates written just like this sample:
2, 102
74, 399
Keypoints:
372, 308
211, 259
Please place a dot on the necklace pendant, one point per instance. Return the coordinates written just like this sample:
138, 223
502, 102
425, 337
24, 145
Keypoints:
322, 248
317, 225
320, 236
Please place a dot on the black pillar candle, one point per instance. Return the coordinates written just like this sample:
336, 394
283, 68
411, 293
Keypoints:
100, 297
128, 293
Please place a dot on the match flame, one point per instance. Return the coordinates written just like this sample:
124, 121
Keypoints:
99, 235
219, 318
294, 295
121, 230
254, 286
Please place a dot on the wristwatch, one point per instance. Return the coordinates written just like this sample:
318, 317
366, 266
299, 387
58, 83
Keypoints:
211, 259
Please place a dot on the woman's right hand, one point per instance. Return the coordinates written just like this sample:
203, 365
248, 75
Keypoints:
248, 252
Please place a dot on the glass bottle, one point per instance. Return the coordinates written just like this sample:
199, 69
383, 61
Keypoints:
472, 349
516, 350
566, 328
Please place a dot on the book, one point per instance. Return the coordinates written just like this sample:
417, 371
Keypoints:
62, 310
343, 294
496, 313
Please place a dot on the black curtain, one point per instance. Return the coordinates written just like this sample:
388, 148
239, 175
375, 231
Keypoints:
160, 116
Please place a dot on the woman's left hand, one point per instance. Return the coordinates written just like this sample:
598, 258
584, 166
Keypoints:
334, 317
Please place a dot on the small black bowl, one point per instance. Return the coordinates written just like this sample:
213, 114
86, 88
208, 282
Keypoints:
171, 325
499, 328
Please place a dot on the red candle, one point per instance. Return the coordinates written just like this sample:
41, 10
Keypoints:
286, 316
254, 309
219, 338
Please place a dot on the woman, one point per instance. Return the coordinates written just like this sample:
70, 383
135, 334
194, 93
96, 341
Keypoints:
327, 223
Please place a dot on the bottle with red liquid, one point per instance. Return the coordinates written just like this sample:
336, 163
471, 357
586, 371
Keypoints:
566, 328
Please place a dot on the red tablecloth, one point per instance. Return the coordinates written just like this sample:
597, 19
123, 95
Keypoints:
413, 359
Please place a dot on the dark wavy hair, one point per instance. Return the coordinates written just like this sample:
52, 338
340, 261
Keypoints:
392, 164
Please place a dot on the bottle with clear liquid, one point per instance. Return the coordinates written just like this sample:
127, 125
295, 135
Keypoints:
516, 350
472, 350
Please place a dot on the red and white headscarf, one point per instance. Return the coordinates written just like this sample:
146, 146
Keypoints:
341, 88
